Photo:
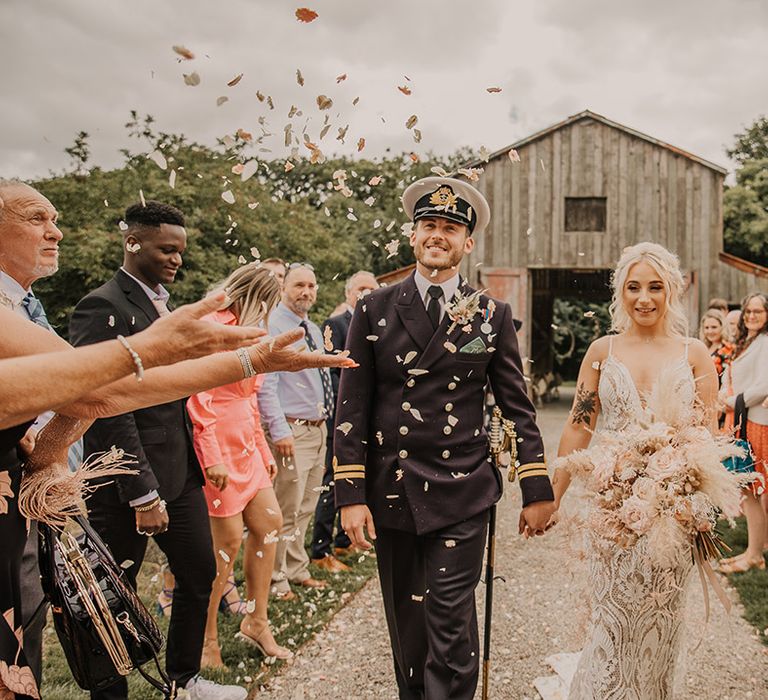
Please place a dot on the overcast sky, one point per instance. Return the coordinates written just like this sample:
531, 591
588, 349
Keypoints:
690, 72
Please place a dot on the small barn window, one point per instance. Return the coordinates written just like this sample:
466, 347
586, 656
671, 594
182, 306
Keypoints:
585, 213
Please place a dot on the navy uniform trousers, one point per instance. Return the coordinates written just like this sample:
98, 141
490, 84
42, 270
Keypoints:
428, 585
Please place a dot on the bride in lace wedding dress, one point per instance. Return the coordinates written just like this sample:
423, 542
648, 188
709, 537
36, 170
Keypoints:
636, 597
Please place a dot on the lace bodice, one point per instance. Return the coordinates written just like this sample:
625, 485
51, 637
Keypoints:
620, 401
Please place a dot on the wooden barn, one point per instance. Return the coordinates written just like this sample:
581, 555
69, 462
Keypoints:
581, 191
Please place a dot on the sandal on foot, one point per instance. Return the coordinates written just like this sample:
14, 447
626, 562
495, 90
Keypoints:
228, 604
165, 602
743, 565
282, 655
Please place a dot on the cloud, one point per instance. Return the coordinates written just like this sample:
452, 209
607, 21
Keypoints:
685, 72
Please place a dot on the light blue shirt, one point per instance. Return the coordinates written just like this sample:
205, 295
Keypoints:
292, 394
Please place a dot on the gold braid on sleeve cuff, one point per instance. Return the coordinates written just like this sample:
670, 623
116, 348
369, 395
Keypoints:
532, 469
348, 471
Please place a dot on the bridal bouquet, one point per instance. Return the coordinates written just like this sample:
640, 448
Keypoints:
661, 478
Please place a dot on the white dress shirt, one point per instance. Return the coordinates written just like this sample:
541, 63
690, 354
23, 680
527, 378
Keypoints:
449, 289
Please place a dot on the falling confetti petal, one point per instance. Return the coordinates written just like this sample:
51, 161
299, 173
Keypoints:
493, 89
324, 102
450, 543
235, 80
412, 121
304, 14
360, 144
249, 169
410, 356
375, 180
340, 78
184, 52
299, 78
404, 89
237, 168
172, 180
221, 100
514, 156
228, 197
224, 555
159, 159
344, 427
191, 79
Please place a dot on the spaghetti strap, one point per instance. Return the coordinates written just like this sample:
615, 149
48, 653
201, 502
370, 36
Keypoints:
610, 345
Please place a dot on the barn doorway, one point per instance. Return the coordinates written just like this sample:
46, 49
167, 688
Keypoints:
568, 307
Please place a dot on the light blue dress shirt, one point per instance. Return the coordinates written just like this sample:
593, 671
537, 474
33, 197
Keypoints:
293, 394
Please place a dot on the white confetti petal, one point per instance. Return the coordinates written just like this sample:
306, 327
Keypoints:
249, 170
344, 427
159, 159
450, 544
228, 197
417, 414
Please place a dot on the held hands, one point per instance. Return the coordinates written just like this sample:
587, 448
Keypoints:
272, 471
537, 518
355, 520
152, 522
218, 476
279, 354
183, 335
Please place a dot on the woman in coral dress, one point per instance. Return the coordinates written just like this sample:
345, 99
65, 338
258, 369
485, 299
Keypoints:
239, 469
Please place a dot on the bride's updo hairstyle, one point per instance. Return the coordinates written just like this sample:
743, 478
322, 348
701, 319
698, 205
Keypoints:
667, 266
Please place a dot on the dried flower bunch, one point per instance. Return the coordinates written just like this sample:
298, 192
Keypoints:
660, 477
462, 309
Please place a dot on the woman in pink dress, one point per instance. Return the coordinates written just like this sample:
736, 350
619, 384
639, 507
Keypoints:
239, 470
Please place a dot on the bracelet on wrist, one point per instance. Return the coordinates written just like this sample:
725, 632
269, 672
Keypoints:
144, 507
139, 371
245, 363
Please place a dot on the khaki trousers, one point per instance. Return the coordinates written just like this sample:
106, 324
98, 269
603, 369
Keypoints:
297, 487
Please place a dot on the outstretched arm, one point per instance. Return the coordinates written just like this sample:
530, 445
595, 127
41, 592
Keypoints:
583, 416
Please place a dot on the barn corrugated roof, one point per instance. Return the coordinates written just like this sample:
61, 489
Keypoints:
587, 114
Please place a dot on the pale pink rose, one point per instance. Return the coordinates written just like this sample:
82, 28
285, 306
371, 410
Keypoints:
646, 489
637, 514
664, 464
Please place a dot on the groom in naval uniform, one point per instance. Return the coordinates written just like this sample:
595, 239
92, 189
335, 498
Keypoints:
412, 463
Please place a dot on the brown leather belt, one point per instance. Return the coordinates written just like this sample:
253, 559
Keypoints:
306, 421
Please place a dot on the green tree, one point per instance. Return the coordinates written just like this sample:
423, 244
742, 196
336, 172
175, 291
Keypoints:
299, 213
745, 205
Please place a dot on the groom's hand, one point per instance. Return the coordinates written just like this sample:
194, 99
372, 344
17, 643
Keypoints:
355, 520
535, 518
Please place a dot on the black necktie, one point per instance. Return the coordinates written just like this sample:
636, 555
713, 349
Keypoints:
325, 377
435, 292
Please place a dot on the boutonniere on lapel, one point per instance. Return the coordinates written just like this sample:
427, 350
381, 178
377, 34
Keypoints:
462, 309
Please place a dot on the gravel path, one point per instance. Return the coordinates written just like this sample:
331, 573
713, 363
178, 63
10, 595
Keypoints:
534, 616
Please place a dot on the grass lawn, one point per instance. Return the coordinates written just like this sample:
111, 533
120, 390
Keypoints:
294, 623
752, 585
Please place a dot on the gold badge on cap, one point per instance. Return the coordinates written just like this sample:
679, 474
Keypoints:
444, 197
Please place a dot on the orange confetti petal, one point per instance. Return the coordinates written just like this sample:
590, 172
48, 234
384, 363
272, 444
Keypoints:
493, 89
324, 102
184, 52
360, 144
238, 168
235, 80
340, 78
404, 89
304, 14
414, 157
299, 78
245, 135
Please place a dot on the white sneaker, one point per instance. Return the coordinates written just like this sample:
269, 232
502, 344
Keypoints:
201, 689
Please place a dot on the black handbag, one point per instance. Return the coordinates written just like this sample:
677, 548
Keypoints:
102, 625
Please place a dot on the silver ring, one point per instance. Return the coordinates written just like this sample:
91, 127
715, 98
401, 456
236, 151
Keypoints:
140, 532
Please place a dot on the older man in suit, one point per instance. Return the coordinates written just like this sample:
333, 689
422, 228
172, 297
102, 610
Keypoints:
29, 251
335, 331
412, 459
165, 498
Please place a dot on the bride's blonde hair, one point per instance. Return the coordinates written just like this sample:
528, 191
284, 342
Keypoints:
667, 266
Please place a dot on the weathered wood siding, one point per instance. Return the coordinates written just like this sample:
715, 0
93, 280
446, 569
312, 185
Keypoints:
652, 194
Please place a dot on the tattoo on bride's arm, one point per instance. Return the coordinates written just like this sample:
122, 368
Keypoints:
583, 406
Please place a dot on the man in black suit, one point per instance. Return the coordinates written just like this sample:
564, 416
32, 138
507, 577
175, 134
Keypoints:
412, 463
335, 336
165, 499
